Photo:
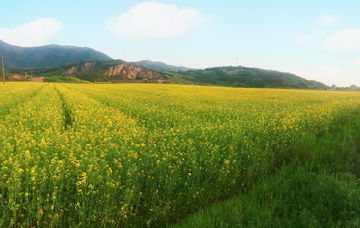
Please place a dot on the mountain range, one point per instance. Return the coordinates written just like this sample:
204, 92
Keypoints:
58, 55
45, 56
91, 65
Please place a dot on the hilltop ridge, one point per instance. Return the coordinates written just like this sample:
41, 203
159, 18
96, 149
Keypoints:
246, 77
160, 66
46, 56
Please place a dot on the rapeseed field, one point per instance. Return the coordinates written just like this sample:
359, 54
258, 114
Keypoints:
140, 155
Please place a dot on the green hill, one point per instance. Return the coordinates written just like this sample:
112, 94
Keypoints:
45, 56
244, 77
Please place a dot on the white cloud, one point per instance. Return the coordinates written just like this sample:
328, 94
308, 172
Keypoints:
345, 41
154, 20
324, 21
324, 74
35, 33
302, 38
328, 20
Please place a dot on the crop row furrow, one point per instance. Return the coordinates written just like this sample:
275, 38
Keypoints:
15, 94
28, 139
215, 156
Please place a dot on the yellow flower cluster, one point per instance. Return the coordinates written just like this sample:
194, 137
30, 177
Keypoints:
109, 155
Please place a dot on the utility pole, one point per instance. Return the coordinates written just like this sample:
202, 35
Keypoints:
2, 61
31, 74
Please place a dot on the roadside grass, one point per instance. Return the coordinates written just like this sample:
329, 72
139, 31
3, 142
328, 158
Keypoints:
319, 187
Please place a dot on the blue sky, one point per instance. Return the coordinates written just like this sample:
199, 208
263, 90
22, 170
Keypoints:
314, 39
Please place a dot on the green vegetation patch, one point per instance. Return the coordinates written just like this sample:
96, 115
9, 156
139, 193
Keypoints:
246, 77
319, 188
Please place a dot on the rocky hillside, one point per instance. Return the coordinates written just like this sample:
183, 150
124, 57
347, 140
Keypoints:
112, 70
45, 56
131, 71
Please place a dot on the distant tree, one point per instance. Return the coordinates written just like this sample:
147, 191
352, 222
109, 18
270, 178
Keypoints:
258, 83
301, 85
